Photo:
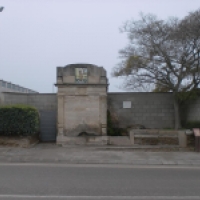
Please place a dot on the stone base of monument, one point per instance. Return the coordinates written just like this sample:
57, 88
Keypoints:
137, 138
19, 141
83, 140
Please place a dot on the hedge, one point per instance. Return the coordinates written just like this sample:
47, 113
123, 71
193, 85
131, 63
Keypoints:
112, 130
191, 124
18, 120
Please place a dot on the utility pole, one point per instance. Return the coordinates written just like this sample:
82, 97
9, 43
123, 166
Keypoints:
53, 88
1, 8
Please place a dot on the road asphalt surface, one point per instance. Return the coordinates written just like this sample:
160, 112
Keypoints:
101, 182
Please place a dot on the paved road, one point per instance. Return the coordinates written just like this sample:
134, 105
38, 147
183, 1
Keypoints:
73, 182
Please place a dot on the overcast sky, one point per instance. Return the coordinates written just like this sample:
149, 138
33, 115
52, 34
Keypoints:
36, 36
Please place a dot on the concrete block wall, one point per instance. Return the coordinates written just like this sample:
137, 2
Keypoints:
43, 101
153, 110
191, 110
38, 100
9, 98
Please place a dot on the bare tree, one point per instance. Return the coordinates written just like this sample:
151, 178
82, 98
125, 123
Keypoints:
164, 55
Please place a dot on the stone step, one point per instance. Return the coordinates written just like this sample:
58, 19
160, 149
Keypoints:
149, 148
154, 136
155, 132
155, 140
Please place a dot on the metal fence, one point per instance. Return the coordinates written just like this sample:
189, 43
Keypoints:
10, 87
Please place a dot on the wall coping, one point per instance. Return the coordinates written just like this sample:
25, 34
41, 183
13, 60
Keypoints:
80, 84
31, 94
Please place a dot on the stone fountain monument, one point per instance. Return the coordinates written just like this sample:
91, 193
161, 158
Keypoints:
82, 104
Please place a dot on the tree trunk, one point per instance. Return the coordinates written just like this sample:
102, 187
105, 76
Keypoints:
177, 124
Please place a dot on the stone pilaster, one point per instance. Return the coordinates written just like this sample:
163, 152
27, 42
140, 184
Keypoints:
60, 123
103, 114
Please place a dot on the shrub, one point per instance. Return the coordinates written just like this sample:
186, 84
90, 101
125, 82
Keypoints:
18, 120
112, 130
191, 124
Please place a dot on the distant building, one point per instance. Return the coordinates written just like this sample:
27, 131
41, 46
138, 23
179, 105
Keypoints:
10, 87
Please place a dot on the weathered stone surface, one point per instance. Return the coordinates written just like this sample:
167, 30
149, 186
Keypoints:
190, 140
119, 140
182, 139
155, 137
18, 141
83, 140
131, 136
81, 113
82, 101
156, 140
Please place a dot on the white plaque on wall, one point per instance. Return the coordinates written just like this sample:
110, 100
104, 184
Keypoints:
126, 104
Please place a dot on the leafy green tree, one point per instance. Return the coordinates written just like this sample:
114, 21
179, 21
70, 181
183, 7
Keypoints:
164, 55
